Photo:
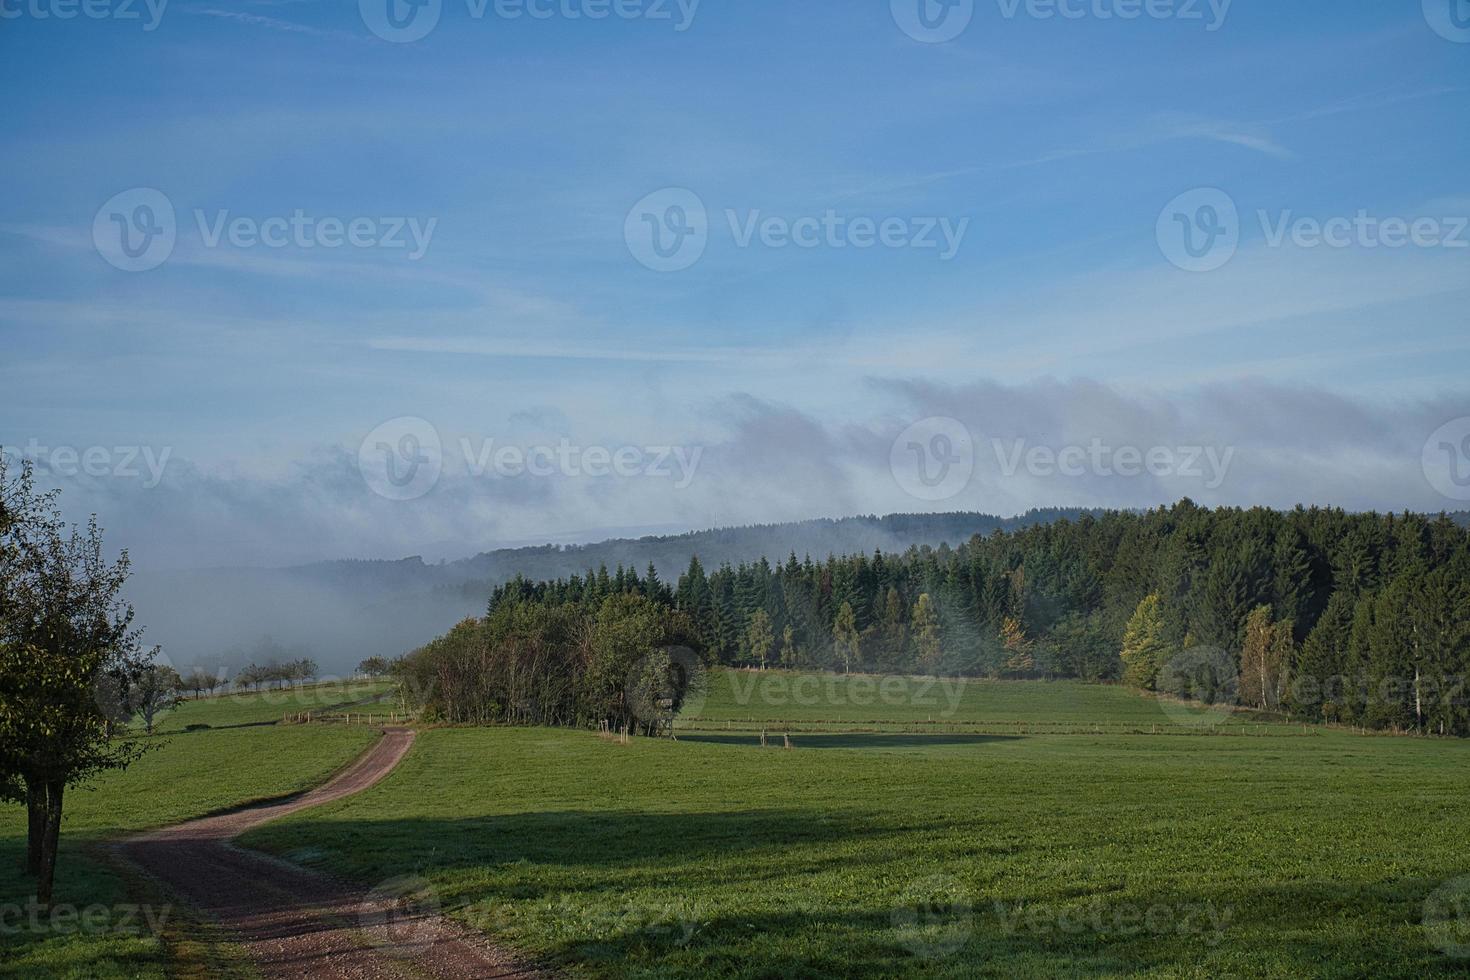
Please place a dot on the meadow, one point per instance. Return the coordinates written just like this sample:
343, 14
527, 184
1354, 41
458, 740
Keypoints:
1002, 829
868, 852
239, 759
267, 707
787, 700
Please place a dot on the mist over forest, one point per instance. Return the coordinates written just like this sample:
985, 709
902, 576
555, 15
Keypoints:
341, 612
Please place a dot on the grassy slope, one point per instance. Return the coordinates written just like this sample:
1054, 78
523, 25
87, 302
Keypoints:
710, 858
267, 707
190, 774
836, 701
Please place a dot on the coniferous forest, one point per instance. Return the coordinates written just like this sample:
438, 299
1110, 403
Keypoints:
1316, 613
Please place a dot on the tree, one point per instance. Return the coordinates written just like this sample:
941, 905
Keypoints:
893, 633
154, 690
1318, 685
1235, 584
196, 681
926, 634
1267, 649
759, 637
63, 626
1017, 647
1081, 646
845, 639
1144, 651
304, 669
1378, 599
789, 654
374, 667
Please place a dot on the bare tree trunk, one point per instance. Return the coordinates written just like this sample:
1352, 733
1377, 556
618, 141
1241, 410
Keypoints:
36, 826
50, 841
1418, 701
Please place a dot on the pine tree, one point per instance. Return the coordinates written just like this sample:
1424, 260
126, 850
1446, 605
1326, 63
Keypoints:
653, 586
1318, 678
1293, 589
1235, 584
893, 632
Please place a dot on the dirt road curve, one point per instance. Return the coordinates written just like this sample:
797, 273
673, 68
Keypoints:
296, 923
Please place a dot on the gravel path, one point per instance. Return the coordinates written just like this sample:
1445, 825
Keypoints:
298, 923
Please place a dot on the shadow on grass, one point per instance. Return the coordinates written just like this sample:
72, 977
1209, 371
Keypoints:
1306, 929
109, 944
853, 740
196, 728
575, 841
637, 893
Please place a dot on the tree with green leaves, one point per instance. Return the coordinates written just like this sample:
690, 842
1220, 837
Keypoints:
925, 628
154, 690
1144, 651
375, 667
63, 628
759, 637
1266, 651
790, 656
1076, 582
1318, 687
846, 642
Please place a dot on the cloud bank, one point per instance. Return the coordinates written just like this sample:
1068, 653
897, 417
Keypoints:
912, 445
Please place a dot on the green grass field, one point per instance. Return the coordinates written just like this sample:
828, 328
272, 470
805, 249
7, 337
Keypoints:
268, 707
1244, 854
1033, 829
831, 702
188, 775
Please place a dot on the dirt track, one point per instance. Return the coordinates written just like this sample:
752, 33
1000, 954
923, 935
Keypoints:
297, 923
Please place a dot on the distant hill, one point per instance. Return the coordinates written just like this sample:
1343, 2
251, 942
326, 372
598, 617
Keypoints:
670, 553
340, 612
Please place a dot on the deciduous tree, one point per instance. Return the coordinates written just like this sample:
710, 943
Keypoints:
1144, 650
63, 626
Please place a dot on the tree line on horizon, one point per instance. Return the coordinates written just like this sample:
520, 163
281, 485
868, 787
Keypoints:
1315, 612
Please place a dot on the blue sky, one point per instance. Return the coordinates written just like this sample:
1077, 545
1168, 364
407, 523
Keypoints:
1054, 143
